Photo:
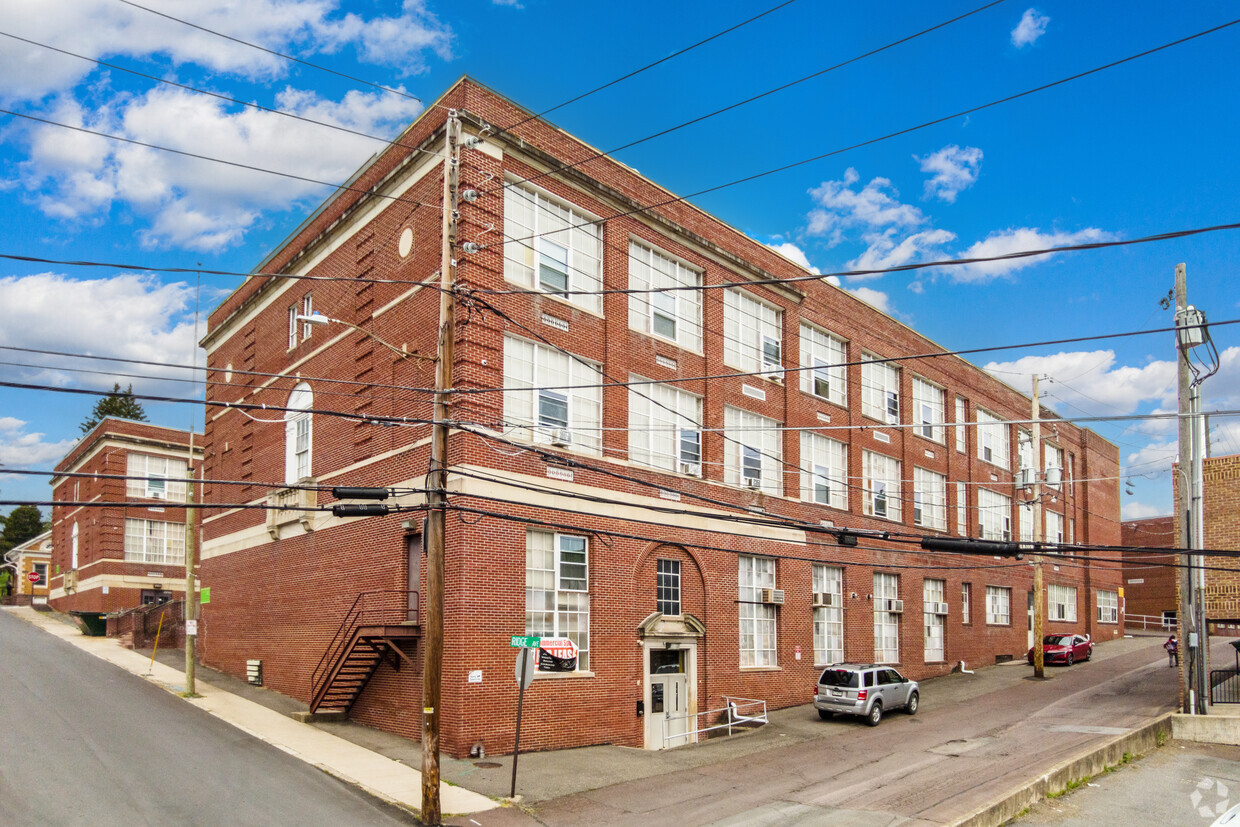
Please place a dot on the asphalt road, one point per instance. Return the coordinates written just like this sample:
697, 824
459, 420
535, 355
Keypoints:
85, 743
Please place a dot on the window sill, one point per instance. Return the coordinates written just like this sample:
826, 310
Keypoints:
761, 668
561, 676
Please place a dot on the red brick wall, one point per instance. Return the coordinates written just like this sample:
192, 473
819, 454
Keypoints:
1149, 580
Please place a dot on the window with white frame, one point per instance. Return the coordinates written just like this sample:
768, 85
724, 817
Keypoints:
752, 451
1071, 472
553, 247
40, 569
298, 421
157, 478
961, 429
1054, 527
880, 483
1024, 449
824, 470
563, 405
667, 587
994, 515
1024, 511
1071, 531
757, 619
966, 601
929, 499
1108, 606
557, 589
752, 333
292, 326
150, 541
934, 604
664, 427
73, 548
927, 409
993, 441
880, 390
998, 606
1053, 465
886, 621
307, 309
675, 315
962, 509
828, 614
1061, 603
822, 364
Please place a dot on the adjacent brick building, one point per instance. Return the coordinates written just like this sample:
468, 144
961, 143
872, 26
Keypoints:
1220, 477
649, 474
117, 543
32, 557
1150, 579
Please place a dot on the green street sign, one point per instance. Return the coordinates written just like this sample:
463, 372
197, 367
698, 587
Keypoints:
524, 642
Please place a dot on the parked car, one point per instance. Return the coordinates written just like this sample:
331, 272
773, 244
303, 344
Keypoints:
865, 689
1065, 649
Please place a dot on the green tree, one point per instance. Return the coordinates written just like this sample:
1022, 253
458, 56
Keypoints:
118, 403
23, 522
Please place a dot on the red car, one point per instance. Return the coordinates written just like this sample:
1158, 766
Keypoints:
1065, 649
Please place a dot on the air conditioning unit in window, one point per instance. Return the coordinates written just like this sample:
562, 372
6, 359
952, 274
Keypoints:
936, 608
890, 605
561, 437
773, 373
753, 482
824, 599
691, 468
775, 596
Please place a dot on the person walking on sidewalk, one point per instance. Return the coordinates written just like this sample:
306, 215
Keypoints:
1173, 652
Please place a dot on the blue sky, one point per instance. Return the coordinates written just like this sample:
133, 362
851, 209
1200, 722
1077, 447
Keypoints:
1143, 148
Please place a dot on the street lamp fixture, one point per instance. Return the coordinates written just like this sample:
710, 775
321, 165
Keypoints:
319, 320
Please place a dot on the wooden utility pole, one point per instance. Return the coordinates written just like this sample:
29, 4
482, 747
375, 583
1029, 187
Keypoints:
1185, 485
437, 498
1039, 661
191, 586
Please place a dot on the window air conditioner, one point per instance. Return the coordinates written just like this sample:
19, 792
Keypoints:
824, 599
775, 596
893, 606
561, 437
936, 608
753, 482
691, 468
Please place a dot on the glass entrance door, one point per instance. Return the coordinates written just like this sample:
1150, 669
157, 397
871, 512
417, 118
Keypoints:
667, 703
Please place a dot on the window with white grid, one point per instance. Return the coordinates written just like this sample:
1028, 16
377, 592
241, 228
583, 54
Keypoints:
675, 315
757, 619
298, 435
962, 509
993, 441
966, 601
1061, 603
828, 614
557, 583
886, 622
752, 451
1054, 527
880, 390
822, 364
307, 309
927, 409
553, 247
752, 334
164, 477
1108, 606
292, 326
994, 515
1025, 511
667, 587
880, 483
150, 541
998, 606
664, 427
1053, 464
563, 405
1024, 449
929, 499
961, 430
824, 471
934, 599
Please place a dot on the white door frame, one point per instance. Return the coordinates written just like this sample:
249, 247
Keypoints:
653, 726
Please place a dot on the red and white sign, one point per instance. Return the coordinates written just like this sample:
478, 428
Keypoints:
560, 647
34, 577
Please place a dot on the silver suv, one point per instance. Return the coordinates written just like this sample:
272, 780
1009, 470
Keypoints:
865, 689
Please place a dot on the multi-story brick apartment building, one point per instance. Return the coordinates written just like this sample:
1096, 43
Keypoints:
115, 543
656, 475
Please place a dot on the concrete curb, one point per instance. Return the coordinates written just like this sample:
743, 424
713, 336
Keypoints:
1089, 763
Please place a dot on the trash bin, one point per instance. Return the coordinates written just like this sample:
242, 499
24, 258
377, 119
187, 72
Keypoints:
94, 624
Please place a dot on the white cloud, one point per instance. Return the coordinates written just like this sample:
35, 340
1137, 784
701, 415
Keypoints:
1139, 511
794, 253
884, 251
952, 169
1032, 26
1091, 382
22, 449
875, 297
1153, 460
1005, 242
875, 206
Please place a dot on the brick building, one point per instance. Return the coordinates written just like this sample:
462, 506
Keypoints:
1149, 580
659, 476
31, 557
1220, 477
111, 557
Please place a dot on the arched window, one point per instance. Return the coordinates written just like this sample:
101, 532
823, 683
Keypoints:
297, 443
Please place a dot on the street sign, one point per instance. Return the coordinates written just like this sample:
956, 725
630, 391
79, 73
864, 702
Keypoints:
523, 642
33, 577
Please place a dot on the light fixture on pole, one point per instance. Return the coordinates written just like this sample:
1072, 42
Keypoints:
319, 320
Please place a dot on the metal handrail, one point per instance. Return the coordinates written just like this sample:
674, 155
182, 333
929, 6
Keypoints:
734, 718
1150, 622
353, 619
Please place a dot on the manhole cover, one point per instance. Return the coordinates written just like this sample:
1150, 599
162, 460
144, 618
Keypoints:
487, 765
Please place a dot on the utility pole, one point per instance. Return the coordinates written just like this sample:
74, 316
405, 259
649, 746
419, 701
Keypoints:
1039, 657
437, 498
1186, 485
191, 560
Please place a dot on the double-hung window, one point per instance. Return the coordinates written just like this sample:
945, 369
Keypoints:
929, 499
962, 509
298, 434
557, 589
672, 314
307, 309
998, 606
664, 427
552, 247
822, 365
551, 396
1108, 606
966, 601
1061, 603
824, 471
752, 332
994, 512
157, 478
150, 541
927, 409
880, 390
757, 619
753, 451
934, 605
292, 326
1053, 463
1054, 528
667, 587
993, 441
1024, 451
886, 618
881, 483
828, 614
962, 417
1025, 510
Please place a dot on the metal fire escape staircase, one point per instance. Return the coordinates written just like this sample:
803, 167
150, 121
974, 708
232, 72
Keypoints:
374, 630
